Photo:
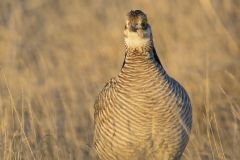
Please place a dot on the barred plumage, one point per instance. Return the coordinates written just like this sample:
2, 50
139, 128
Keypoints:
142, 113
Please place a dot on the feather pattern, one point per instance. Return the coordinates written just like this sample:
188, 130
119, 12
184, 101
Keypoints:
142, 113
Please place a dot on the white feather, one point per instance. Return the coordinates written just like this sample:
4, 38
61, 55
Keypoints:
133, 40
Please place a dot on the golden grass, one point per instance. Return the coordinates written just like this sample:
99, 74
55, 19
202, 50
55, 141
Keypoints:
56, 55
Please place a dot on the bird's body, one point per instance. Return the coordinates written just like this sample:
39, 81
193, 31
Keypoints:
142, 113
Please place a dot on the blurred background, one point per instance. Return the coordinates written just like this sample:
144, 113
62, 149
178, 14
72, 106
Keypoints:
56, 56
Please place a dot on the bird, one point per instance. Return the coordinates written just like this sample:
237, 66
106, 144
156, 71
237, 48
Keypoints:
142, 113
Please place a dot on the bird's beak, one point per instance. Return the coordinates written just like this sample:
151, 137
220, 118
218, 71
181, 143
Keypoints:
132, 28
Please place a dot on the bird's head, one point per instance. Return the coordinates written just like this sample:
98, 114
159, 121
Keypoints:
137, 32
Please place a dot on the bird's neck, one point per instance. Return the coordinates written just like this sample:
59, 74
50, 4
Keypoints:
139, 60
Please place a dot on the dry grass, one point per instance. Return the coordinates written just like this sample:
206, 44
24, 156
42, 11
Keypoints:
56, 55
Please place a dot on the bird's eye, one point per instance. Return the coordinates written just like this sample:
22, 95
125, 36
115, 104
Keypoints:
144, 25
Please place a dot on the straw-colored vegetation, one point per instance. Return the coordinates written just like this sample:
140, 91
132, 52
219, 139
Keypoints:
56, 55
